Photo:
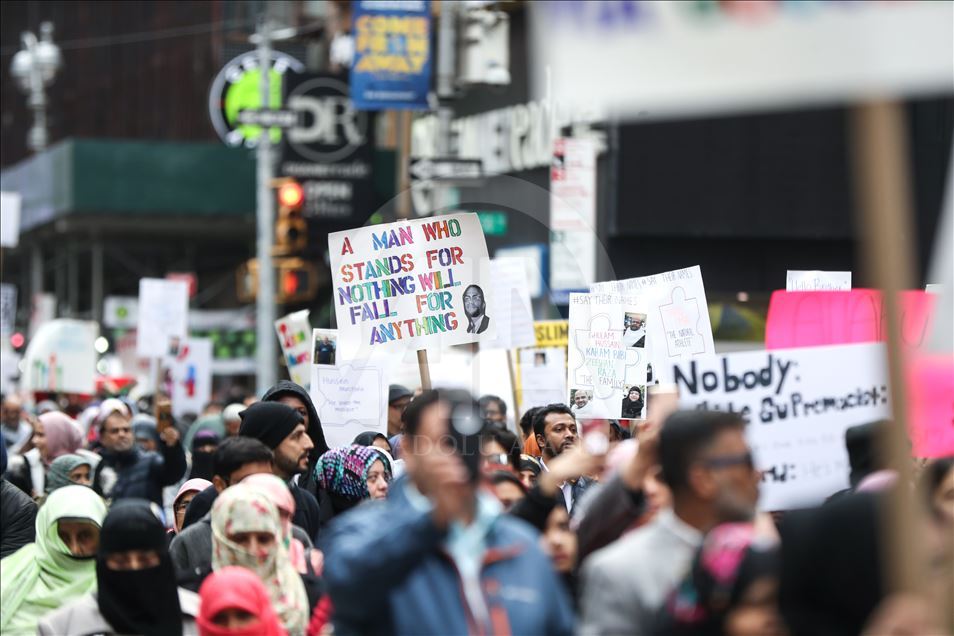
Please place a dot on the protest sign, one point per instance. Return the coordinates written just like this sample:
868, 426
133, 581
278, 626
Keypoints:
513, 309
930, 382
121, 312
163, 316
190, 376
391, 68
817, 280
294, 334
607, 356
61, 358
411, 284
42, 311
10, 218
798, 403
541, 369
678, 322
572, 217
8, 309
351, 397
809, 319
9, 369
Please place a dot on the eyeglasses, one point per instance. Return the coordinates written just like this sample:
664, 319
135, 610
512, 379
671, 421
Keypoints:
728, 461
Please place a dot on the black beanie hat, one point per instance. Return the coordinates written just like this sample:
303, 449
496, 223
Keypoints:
269, 422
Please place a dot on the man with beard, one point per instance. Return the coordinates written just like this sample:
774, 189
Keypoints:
554, 427
474, 307
282, 429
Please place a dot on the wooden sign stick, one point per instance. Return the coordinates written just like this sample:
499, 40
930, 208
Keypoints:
424, 369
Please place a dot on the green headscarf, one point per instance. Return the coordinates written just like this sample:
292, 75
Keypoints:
42, 576
59, 473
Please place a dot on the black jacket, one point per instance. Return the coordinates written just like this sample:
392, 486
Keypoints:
17, 519
139, 474
315, 432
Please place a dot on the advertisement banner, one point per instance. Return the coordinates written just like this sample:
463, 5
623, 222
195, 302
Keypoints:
798, 403
294, 335
411, 284
392, 54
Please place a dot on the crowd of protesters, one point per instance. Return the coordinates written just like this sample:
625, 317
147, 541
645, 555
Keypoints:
454, 519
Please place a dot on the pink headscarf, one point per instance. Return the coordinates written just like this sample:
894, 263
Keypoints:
63, 435
190, 485
277, 491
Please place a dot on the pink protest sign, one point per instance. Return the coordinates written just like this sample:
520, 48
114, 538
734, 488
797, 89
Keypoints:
817, 318
931, 405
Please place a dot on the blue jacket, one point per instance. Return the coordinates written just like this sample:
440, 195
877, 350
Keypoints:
387, 573
138, 473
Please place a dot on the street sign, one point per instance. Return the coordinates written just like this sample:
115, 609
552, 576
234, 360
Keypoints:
268, 118
447, 169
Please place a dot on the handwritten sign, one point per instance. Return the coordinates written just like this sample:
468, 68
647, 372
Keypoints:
607, 356
190, 376
294, 335
352, 397
163, 316
541, 369
817, 280
678, 323
512, 305
61, 358
930, 381
809, 319
798, 403
411, 284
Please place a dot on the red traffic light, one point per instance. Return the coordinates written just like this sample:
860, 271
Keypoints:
291, 194
17, 340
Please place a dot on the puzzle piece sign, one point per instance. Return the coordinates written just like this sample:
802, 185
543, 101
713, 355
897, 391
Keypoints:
678, 324
607, 356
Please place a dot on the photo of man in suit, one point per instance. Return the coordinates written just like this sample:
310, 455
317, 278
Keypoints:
474, 307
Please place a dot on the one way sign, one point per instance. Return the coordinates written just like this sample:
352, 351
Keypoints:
447, 169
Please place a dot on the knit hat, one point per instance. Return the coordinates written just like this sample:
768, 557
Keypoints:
269, 422
344, 471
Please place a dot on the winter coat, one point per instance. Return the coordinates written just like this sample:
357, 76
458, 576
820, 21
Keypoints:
83, 618
138, 473
315, 432
17, 519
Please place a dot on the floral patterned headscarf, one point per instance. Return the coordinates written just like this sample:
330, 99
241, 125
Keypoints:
344, 471
244, 508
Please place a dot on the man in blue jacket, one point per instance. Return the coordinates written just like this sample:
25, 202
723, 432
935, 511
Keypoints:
439, 557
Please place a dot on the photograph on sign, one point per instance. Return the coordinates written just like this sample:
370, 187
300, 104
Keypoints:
798, 403
325, 347
602, 369
817, 280
294, 336
417, 284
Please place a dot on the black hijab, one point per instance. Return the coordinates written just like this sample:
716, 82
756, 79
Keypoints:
137, 601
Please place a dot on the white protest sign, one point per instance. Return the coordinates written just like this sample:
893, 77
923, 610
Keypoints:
10, 218
8, 309
514, 311
405, 285
542, 376
42, 311
61, 358
190, 373
352, 397
294, 335
678, 323
798, 403
163, 315
606, 367
817, 280
573, 214
121, 312
9, 369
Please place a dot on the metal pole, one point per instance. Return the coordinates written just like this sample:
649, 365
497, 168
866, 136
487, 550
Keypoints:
265, 300
96, 279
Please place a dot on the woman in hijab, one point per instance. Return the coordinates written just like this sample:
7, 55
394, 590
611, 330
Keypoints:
203, 448
136, 585
235, 602
247, 531
40, 577
633, 404
351, 474
54, 434
277, 490
185, 495
69, 469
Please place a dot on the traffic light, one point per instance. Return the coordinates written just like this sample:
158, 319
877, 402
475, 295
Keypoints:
297, 280
291, 232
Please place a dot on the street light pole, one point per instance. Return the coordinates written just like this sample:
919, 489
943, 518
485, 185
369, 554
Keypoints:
265, 298
34, 66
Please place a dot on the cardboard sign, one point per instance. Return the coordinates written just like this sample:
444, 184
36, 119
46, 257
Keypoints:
8, 309
190, 375
351, 398
817, 280
61, 358
678, 323
930, 381
798, 403
513, 307
163, 316
810, 319
294, 335
411, 284
607, 356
